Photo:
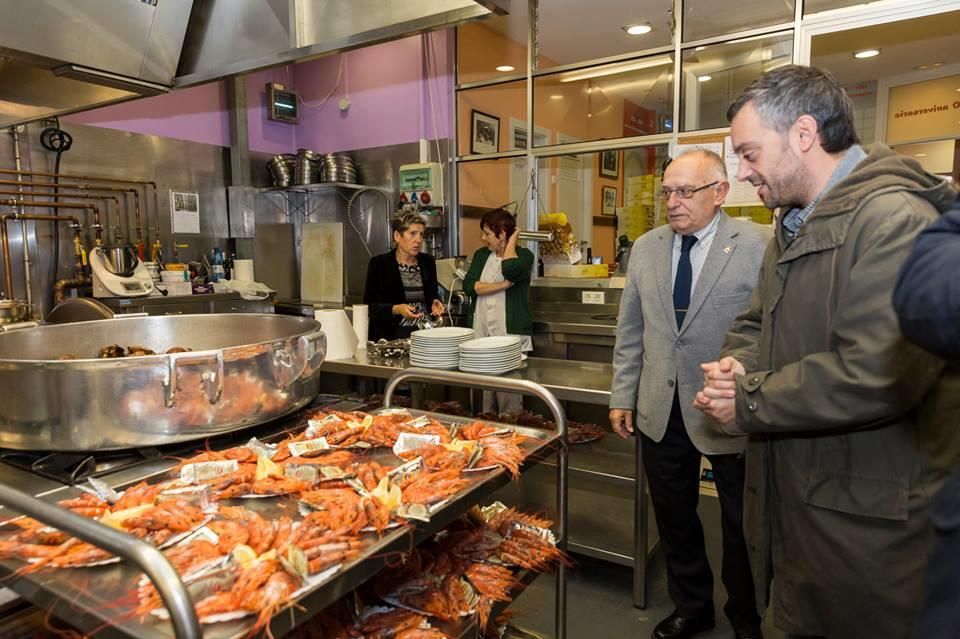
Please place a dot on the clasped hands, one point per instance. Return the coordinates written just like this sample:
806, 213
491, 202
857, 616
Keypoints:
718, 397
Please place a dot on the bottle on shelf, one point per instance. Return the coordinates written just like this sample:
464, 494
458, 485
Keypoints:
218, 274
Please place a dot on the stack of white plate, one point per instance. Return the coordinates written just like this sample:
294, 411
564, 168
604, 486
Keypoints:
491, 355
438, 347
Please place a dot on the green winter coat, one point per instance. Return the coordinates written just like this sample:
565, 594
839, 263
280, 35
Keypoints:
851, 428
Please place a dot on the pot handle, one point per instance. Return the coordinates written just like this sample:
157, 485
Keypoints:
211, 378
288, 362
314, 347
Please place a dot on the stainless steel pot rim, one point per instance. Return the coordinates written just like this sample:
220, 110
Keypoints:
208, 353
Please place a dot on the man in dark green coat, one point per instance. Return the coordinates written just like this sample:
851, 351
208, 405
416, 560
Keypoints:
852, 429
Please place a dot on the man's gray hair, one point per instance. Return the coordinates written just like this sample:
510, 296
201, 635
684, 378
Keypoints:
716, 166
783, 95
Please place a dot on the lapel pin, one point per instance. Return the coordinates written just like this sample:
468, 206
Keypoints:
726, 249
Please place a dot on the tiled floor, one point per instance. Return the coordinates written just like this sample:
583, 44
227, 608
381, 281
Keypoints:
599, 596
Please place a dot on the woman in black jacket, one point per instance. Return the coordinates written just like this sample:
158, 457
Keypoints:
402, 284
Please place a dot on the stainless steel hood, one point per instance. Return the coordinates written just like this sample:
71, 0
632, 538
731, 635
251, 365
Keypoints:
62, 56
58, 57
228, 38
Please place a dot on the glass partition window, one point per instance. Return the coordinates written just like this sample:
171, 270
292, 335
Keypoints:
816, 6
484, 115
494, 47
488, 184
601, 196
710, 18
623, 99
568, 32
714, 76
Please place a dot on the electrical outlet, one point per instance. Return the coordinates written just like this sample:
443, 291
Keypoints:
592, 297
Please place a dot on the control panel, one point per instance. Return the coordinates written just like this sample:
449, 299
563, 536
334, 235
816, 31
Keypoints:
421, 185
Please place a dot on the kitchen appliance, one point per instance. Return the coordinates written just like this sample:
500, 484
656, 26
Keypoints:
118, 272
243, 369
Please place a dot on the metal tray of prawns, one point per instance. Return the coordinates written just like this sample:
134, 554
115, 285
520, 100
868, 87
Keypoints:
100, 600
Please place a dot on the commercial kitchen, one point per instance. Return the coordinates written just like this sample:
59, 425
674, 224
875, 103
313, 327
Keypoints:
190, 194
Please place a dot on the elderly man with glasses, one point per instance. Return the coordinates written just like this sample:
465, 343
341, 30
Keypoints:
686, 283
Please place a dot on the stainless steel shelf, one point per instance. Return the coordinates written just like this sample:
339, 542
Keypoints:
607, 459
319, 187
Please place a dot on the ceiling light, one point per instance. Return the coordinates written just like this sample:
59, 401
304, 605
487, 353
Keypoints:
637, 29
505, 68
704, 78
919, 155
614, 69
556, 96
700, 48
866, 53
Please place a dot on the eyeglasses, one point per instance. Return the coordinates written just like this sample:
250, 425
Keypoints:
685, 192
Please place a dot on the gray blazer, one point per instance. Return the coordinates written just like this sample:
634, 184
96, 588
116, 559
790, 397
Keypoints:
651, 355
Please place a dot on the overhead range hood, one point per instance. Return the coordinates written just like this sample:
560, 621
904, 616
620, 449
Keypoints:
63, 56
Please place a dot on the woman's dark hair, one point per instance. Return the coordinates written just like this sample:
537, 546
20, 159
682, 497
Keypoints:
498, 220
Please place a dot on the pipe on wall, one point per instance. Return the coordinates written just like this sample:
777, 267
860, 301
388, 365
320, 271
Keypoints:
5, 240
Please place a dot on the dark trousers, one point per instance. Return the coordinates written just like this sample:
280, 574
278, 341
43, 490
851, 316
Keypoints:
673, 473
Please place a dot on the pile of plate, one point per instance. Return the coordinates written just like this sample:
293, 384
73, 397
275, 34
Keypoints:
438, 347
338, 167
491, 355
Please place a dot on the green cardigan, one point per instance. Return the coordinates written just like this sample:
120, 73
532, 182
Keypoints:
517, 270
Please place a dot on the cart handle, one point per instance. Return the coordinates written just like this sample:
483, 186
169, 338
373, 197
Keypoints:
149, 559
485, 382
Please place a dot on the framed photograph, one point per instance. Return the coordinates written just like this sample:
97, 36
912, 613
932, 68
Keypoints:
484, 132
610, 164
608, 201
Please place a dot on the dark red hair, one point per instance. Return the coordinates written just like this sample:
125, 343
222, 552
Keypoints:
498, 220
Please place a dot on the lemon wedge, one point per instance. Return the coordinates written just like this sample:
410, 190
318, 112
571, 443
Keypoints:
267, 468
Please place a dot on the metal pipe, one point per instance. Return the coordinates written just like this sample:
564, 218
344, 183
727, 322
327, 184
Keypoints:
535, 236
84, 187
5, 240
530, 388
94, 178
27, 276
157, 567
33, 204
81, 196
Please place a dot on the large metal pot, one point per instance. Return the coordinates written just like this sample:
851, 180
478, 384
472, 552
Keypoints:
243, 369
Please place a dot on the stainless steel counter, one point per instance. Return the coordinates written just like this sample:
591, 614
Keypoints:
586, 382
603, 324
188, 304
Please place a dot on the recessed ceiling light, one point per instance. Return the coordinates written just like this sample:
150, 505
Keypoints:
700, 48
637, 29
704, 78
556, 96
919, 155
936, 65
505, 68
866, 53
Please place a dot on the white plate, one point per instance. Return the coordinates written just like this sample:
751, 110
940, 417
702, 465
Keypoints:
489, 343
443, 331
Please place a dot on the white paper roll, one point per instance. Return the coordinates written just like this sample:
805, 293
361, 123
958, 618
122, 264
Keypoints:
341, 340
360, 323
243, 270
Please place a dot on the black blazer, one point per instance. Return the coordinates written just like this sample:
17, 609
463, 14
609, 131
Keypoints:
385, 288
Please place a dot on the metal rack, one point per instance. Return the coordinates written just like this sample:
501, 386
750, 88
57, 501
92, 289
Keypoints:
486, 382
95, 608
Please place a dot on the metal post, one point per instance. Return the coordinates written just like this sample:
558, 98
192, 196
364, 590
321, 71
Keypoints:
486, 382
146, 557
27, 279
640, 527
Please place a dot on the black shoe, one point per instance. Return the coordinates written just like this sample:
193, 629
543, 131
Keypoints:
677, 627
752, 633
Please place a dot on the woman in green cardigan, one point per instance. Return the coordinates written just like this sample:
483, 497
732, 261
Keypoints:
499, 283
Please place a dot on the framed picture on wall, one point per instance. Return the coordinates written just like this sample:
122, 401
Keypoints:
608, 201
610, 164
484, 132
